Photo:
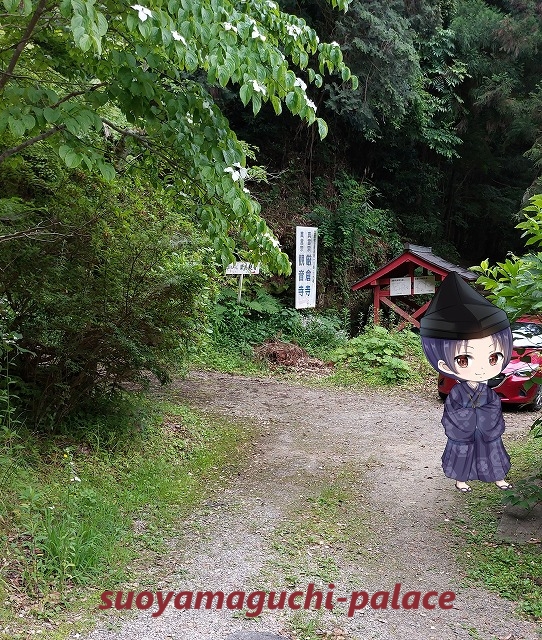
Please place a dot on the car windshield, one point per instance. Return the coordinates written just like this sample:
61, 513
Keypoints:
526, 334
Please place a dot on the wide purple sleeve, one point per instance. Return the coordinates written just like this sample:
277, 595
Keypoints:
461, 418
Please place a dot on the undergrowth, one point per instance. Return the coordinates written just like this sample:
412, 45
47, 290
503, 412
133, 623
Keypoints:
380, 357
377, 357
79, 511
513, 570
237, 327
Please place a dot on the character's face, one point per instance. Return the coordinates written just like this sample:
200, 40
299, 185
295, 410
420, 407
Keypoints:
476, 360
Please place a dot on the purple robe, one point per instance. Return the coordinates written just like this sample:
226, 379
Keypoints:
474, 425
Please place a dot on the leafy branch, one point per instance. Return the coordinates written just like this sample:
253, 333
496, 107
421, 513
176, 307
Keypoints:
6, 74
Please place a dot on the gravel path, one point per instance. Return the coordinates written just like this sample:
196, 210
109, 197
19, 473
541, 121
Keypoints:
307, 436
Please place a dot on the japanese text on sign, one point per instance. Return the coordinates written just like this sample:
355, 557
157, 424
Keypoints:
242, 268
305, 267
400, 286
424, 284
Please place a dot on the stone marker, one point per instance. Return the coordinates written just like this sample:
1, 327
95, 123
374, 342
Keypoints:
254, 635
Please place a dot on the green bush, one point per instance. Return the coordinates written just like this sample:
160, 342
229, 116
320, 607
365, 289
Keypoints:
323, 332
379, 356
114, 290
515, 285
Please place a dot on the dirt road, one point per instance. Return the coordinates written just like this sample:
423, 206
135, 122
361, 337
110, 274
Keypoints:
388, 445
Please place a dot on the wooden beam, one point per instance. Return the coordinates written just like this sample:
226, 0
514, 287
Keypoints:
407, 316
416, 314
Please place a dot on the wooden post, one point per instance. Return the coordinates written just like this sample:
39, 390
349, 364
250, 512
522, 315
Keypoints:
376, 303
240, 288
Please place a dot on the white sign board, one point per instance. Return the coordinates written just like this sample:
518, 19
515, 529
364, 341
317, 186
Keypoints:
305, 267
424, 284
400, 286
242, 269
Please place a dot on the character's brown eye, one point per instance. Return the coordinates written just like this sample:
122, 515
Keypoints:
462, 361
495, 358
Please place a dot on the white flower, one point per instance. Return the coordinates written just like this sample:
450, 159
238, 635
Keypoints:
229, 27
189, 118
242, 171
142, 12
271, 5
76, 479
258, 88
235, 175
299, 83
311, 104
237, 171
293, 30
335, 44
274, 241
246, 190
257, 34
177, 36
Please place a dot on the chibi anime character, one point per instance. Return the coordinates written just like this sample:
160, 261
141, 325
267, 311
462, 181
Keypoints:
468, 338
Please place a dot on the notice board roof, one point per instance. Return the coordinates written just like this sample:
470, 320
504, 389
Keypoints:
419, 257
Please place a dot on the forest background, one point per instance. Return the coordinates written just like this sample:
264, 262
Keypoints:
130, 136
144, 148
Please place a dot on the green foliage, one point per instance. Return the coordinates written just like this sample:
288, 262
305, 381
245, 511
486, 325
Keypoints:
515, 285
70, 507
249, 322
437, 104
527, 491
115, 289
148, 75
379, 356
512, 570
499, 42
376, 36
321, 332
354, 237
239, 326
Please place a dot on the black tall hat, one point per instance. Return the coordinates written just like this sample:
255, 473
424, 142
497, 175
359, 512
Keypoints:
458, 312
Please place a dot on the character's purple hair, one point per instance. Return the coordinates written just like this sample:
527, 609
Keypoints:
436, 349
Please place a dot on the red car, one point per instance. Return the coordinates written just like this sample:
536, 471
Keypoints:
510, 383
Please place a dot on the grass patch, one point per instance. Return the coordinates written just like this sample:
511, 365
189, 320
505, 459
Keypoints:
80, 513
227, 358
305, 627
327, 528
512, 570
330, 525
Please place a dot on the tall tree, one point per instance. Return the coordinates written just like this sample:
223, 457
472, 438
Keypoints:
500, 43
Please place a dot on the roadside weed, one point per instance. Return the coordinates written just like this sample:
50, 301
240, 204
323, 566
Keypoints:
88, 512
513, 570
